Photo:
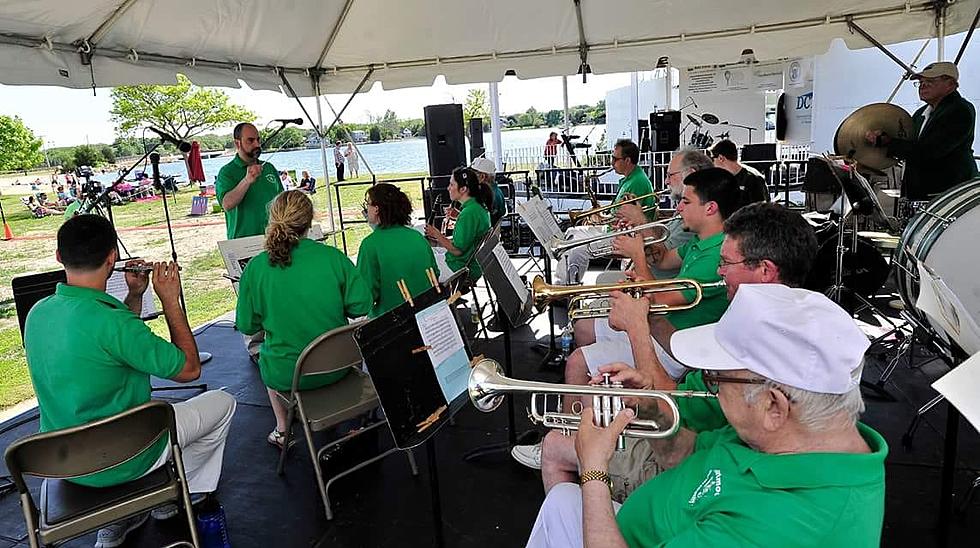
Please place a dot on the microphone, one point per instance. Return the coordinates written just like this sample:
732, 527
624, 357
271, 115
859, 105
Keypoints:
182, 146
284, 121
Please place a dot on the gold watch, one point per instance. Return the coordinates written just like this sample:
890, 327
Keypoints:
595, 475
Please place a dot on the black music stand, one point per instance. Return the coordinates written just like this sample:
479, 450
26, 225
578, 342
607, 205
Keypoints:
513, 309
409, 390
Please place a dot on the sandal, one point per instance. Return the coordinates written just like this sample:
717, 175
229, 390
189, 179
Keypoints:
277, 439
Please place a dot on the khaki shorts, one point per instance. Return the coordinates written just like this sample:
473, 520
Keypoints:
632, 468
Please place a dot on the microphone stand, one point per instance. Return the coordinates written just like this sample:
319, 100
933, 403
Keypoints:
751, 129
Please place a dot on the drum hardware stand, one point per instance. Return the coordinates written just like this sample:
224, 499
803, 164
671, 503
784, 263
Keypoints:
552, 356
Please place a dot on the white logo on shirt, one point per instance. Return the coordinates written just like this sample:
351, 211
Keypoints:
271, 178
710, 485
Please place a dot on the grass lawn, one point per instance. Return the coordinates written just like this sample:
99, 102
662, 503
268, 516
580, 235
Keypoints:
142, 230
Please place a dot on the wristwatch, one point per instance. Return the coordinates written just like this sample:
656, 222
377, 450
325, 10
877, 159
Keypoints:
595, 475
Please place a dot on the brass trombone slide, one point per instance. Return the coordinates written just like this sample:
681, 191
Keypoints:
559, 246
578, 217
543, 294
487, 387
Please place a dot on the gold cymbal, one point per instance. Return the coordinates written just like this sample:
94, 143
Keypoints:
850, 138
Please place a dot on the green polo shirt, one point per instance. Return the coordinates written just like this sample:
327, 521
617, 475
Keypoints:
471, 225
251, 215
636, 183
295, 304
499, 205
90, 357
390, 254
700, 263
727, 494
699, 414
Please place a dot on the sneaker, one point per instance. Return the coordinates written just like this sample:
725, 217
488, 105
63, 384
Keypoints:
115, 534
277, 439
168, 511
528, 455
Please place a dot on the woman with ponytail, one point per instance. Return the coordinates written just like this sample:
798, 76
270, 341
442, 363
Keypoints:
473, 222
393, 251
295, 290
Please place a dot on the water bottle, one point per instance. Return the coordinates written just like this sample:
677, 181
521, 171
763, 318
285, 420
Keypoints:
211, 526
566, 340
474, 312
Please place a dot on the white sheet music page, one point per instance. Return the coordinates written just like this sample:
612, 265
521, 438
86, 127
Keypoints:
500, 254
446, 350
541, 221
946, 311
960, 386
116, 286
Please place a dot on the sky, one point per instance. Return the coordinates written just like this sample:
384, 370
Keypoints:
68, 117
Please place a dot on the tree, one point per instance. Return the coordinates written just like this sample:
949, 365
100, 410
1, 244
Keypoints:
87, 155
531, 118
553, 118
389, 124
183, 110
291, 137
19, 147
374, 134
107, 154
475, 106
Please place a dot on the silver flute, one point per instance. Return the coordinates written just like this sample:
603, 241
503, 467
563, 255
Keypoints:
138, 268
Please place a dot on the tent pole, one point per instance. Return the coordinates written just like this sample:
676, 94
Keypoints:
969, 35
350, 138
905, 77
564, 98
851, 25
940, 31
634, 106
323, 153
495, 126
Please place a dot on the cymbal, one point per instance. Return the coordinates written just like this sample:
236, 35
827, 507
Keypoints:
850, 141
710, 118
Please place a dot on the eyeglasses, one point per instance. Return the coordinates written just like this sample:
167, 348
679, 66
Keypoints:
929, 81
672, 173
712, 380
722, 263
617, 158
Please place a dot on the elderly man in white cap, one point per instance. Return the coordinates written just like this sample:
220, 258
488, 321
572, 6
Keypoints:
938, 152
485, 170
793, 468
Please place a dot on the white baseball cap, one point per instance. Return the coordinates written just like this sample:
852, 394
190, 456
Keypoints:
484, 165
939, 68
792, 336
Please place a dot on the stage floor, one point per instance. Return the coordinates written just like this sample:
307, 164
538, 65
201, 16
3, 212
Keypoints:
493, 500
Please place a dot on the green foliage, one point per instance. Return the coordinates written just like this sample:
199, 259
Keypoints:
184, 110
108, 154
88, 155
374, 134
475, 106
553, 118
291, 137
64, 157
19, 147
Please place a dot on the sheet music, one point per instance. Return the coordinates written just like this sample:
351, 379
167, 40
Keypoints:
510, 272
116, 286
541, 221
946, 311
439, 331
236, 253
960, 387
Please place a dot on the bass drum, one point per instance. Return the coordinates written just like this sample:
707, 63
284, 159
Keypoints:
943, 235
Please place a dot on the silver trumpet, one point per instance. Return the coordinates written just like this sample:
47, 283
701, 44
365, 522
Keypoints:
488, 386
604, 248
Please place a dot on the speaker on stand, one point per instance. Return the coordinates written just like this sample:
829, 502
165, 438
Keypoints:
665, 131
476, 138
446, 148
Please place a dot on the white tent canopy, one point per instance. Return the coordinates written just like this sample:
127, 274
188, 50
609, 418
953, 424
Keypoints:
409, 43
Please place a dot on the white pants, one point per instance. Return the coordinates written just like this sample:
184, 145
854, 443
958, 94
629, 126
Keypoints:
559, 522
614, 346
202, 428
575, 262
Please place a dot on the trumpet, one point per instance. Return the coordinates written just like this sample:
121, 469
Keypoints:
580, 296
579, 217
559, 246
487, 387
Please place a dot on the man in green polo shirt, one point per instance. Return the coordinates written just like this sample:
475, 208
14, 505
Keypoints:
625, 159
245, 187
795, 468
90, 356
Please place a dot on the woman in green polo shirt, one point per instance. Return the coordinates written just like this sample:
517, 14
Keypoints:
295, 291
472, 224
394, 251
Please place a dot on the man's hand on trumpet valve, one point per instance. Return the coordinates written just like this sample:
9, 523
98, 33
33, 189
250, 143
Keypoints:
631, 214
594, 445
628, 313
629, 246
626, 374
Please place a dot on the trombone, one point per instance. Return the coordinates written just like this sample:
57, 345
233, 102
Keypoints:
559, 246
579, 217
487, 387
580, 296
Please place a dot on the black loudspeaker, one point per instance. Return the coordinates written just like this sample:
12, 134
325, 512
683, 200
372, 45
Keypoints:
444, 138
476, 138
761, 156
665, 131
781, 121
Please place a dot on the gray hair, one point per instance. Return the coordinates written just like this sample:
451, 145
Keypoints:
694, 159
816, 410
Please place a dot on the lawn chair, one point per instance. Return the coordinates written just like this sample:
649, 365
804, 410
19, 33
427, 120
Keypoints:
323, 408
68, 510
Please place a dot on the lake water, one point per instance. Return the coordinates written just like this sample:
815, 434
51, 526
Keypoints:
408, 155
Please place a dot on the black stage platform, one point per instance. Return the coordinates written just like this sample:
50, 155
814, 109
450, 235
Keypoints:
493, 501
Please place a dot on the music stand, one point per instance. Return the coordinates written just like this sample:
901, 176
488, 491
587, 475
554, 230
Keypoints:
513, 309
418, 397
543, 224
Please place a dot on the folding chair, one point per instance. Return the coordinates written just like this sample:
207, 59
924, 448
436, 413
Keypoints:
68, 510
326, 407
